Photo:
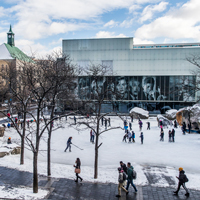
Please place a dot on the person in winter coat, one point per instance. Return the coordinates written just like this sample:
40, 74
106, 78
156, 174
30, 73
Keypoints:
175, 124
182, 179
129, 136
74, 120
162, 135
173, 135
148, 125
184, 128
69, 142
78, 166
106, 123
140, 125
130, 176
142, 137
121, 182
123, 166
92, 137
9, 141
125, 136
133, 136
170, 136
130, 125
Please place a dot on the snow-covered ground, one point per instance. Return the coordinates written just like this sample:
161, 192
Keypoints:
183, 153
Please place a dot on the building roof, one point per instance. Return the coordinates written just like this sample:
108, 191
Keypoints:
8, 52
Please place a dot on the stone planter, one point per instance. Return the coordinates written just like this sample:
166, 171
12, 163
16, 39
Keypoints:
2, 129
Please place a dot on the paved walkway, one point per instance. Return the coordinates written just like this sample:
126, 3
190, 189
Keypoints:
63, 188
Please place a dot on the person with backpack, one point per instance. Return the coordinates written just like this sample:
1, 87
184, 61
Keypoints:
182, 180
121, 180
130, 176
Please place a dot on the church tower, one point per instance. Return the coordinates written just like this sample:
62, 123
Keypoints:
10, 37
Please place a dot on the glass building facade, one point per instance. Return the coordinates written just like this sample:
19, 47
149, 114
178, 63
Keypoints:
155, 78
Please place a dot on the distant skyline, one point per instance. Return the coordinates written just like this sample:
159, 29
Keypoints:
40, 25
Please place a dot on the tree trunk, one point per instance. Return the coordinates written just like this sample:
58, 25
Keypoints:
22, 139
96, 152
96, 158
22, 151
49, 155
35, 173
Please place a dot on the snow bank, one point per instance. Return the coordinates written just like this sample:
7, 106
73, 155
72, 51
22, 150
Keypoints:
143, 114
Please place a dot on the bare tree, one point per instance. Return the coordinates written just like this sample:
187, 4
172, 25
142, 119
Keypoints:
92, 99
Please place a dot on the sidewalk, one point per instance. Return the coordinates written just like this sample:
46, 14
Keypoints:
67, 189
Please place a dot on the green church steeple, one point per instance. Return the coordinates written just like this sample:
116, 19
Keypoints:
10, 37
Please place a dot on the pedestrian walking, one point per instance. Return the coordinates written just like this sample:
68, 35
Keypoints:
182, 180
78, 169
162, 135
133, 136
148, 125
140, 125
170, 136
130, 177
142, 137
121, 180
130, 125
173, 135
74, 120
69, 142
123, 166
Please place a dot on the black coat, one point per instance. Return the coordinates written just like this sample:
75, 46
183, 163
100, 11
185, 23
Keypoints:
123, 166
181, 177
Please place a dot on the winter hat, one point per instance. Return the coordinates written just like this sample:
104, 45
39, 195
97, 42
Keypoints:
9, 138
180, 169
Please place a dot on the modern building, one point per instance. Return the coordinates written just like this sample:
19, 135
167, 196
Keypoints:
155, 77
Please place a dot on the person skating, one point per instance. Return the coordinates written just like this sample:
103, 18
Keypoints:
184, 128
162, 135
123, 166
175, 124
130, 125
109, 121
125, 136
69, 142
173, 135
148, 125
121, 180
142, 137
140, 125
129, 136
133, 136
170, 136
92, 137
102, 121
78, 169
130, 176
106, 123
74, 120
182, 180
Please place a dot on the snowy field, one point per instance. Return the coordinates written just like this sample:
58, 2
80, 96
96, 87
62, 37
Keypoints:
183, 153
